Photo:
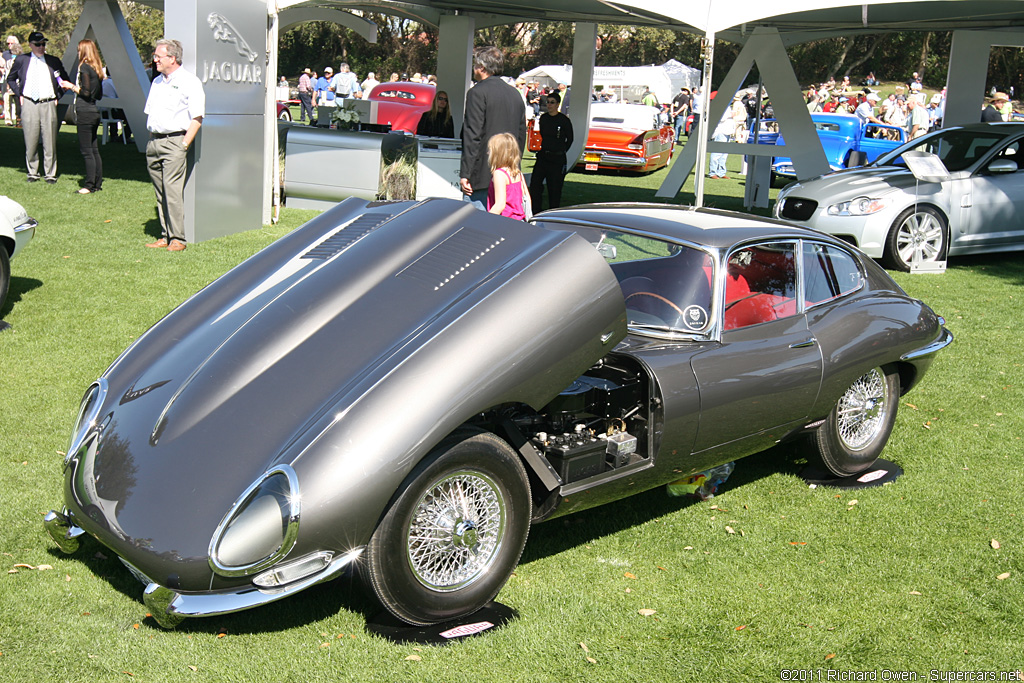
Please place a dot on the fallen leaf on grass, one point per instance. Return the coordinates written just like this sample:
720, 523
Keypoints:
591, 660
995, 544
585, 648
910, 405
1003, 576
915, 593
740, 628
853, 502
192, 667
413, 658
730, 530
798, 542
646, 612
629, 575
830, 656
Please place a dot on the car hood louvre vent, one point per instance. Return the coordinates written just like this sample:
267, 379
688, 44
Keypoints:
453, 256
347, 236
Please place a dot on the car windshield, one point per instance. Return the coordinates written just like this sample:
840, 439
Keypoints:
666, 285
957, 148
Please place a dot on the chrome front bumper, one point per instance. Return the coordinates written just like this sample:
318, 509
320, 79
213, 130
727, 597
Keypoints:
169, 607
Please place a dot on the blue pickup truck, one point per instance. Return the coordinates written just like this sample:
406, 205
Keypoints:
846, 142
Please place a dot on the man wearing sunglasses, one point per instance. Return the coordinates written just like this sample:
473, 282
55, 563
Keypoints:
36, 79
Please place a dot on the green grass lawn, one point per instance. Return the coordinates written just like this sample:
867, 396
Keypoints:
898, 578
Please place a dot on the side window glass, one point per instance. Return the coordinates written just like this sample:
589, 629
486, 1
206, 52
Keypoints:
760, 284
829, 273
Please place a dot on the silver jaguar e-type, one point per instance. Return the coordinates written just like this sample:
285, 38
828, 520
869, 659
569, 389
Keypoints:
882, 208
407, 387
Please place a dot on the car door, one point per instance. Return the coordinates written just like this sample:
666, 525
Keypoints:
764, 376
996, 217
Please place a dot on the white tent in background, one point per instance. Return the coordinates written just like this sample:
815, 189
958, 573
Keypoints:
628, 82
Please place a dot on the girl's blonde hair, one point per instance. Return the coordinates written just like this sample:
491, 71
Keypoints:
88, 54
503, 152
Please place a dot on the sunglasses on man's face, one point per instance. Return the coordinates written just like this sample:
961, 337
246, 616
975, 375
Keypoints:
36, 44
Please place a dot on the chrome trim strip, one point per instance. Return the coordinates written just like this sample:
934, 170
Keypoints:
291, 533
30, 224
170, 608
944, 340
85, 422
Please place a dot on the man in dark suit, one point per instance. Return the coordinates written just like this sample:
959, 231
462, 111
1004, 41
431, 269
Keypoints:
38, 78
492, 106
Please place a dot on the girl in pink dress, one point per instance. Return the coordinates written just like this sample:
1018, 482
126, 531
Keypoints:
507, 194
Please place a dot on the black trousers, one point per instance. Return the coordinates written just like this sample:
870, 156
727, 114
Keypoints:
87, 143
550, 168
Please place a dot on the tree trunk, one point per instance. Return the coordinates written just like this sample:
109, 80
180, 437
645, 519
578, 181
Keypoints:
867, 55
840, 59
924, 56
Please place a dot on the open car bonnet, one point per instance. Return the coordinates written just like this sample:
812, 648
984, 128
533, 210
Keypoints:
398, 320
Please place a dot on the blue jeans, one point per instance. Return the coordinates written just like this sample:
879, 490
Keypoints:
680, 125
718, 158
477, 199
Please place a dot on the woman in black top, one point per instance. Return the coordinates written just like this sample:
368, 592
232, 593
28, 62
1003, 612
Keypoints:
88, 88
437, 123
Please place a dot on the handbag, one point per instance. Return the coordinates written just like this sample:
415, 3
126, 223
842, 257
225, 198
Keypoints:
527, 200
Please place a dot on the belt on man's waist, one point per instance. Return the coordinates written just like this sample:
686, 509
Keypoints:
161, 136
42, 101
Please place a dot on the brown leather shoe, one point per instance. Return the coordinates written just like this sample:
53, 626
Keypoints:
176, 245
159, 244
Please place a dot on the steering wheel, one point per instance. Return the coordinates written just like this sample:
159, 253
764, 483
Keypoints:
659, 298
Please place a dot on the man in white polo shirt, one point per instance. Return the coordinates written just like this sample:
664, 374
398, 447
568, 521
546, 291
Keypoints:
175, 107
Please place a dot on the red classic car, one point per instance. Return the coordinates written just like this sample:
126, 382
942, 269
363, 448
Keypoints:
621, 137
400, 104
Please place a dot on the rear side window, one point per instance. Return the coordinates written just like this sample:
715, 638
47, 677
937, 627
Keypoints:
829, 272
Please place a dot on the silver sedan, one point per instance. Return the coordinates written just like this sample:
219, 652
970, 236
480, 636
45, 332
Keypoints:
891, 215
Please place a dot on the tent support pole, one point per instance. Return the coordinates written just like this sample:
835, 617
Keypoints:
705, 96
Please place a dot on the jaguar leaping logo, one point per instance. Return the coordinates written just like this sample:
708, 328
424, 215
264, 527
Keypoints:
134, 393
224, 32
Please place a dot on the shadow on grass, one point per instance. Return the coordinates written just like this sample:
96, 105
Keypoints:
1005, 265
352, 594
564, 533
119, 161
19, 286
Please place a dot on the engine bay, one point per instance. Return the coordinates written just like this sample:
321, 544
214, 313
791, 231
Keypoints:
598, 424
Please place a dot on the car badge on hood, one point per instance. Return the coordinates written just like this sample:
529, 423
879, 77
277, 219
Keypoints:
132, 394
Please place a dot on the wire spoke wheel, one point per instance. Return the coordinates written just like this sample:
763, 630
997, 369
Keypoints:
456, 531
862, 410
851, 439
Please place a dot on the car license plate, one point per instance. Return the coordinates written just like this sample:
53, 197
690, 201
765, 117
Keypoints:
590, 167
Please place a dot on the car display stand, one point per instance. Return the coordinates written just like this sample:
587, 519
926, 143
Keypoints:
490, 616
882, 472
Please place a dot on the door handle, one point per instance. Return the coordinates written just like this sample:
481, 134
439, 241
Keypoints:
802, 344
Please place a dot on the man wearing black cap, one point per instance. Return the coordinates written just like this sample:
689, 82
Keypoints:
36, 78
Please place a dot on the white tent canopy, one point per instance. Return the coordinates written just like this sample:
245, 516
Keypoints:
628, 82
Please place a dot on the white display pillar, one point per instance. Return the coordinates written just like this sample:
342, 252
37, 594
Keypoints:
455, 61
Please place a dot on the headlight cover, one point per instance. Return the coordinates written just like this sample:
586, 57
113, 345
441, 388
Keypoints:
260, 528
859, 206
88, 414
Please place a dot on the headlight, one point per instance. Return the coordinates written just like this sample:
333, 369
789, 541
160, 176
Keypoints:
260, 528
861, 206
88, 413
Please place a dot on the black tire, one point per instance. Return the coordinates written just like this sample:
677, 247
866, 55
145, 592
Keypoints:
852, 437
918, 230
285, 115
5, 276
431, 559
